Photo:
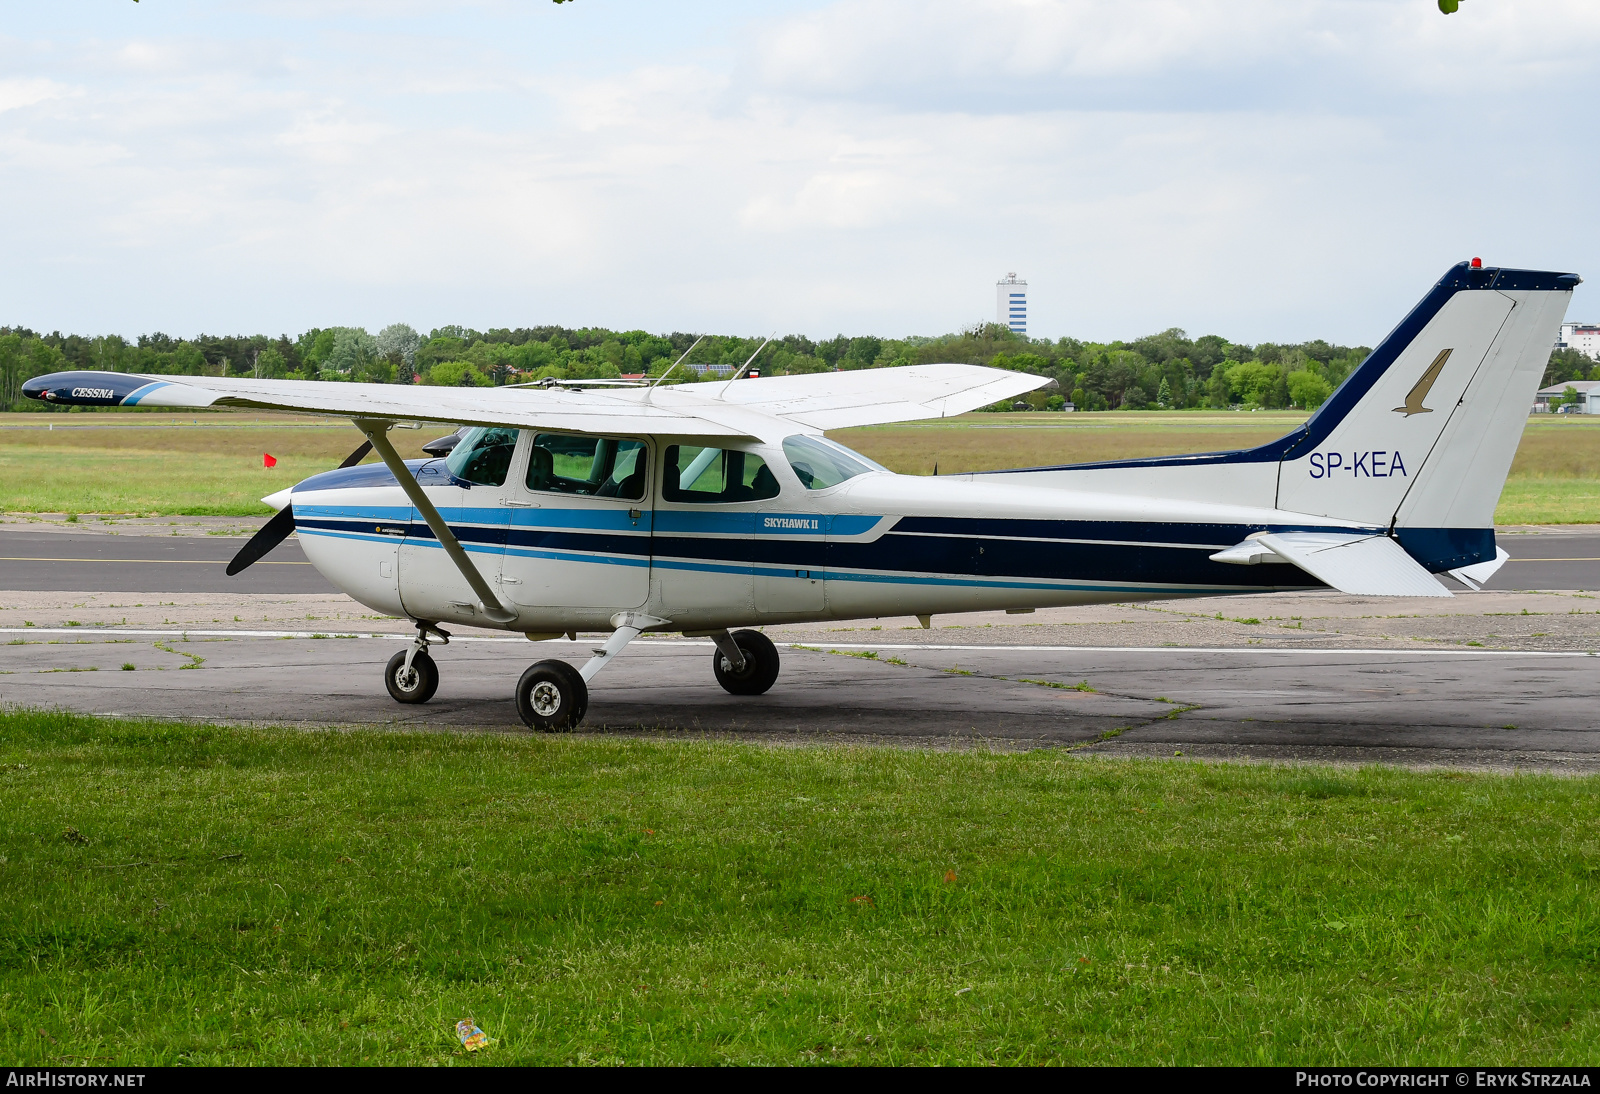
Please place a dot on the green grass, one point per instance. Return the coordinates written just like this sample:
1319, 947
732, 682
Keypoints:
205, 465
210, 464
1541, 500
116, 481
195, 894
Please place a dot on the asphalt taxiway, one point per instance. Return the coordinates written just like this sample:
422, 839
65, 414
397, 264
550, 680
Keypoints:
142, 622
1480, 708
146, 561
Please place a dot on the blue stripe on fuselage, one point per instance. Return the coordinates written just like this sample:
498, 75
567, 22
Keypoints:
1030, 551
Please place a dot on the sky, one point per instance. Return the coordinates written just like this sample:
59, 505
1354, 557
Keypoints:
1268, 170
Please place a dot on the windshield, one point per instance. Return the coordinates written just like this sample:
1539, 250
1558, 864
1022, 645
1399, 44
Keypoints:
820, 463
483, 457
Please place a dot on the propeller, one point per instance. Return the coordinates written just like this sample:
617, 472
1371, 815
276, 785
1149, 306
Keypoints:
276, 530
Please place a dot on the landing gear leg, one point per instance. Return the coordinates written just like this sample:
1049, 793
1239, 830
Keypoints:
746, 662
553, 697
411, 676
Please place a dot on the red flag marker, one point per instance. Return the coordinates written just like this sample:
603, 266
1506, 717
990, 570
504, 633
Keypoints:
268, 460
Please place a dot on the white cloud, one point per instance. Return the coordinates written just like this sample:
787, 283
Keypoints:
1257, 168
18, 93
1179, 51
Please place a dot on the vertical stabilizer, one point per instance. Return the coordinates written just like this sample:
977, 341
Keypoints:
1422, 434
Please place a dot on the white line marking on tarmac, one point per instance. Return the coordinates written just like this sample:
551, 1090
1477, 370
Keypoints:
1199, 649
814, 645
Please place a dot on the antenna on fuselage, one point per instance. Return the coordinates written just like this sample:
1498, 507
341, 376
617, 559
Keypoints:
679, 361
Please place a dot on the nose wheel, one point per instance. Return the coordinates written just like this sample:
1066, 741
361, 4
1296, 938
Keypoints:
411, 676
413, 683
552, 697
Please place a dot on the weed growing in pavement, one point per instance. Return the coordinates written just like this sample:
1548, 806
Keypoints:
1081, 685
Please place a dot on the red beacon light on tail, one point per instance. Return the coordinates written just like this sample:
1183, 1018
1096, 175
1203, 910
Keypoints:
1477, 263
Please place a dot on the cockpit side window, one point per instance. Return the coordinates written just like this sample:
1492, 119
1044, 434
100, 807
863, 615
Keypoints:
820, 463
603, 467
716, 475
483, 456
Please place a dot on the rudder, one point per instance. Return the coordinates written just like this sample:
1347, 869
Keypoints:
1422, 434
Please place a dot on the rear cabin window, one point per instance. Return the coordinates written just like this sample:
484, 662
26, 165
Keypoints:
716, 475
597, 467
483, 456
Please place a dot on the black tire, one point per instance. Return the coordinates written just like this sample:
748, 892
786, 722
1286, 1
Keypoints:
552, 697
418, 685
760, 665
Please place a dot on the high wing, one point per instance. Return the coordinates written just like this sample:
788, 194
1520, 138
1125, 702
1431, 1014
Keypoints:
875, 396
552, 408
729, 409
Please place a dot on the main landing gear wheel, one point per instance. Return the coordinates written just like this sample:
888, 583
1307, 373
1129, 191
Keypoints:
416, 685
760, 665
552, 697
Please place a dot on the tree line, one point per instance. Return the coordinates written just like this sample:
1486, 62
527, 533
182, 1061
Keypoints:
1168, 370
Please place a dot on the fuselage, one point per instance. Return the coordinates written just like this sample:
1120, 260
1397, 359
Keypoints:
566, 555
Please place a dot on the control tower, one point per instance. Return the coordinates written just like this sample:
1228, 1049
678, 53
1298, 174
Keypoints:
1011, 303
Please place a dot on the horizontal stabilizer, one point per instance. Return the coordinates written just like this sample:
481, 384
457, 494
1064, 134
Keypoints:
1473, 577
1364, 565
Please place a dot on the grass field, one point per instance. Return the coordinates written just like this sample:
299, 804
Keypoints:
166, 465
211, 463
195, 894
1555, 478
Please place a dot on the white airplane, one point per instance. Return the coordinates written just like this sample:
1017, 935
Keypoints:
707, 507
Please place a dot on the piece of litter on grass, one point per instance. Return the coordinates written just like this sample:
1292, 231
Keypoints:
472, 1038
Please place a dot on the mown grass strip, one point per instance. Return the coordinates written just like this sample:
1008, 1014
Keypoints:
339, 897
211, 463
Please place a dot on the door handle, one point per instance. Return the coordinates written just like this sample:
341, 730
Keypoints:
515, 504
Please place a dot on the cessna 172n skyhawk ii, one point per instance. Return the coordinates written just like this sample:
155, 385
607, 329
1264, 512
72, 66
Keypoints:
707, 507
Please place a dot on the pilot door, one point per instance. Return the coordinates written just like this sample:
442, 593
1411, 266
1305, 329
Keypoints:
579, 529
469, 488
705, 536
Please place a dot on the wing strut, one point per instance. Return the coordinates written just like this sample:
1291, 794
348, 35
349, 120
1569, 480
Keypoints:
378, 433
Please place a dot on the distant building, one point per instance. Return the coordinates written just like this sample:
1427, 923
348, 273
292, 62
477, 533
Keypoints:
1583, 337
1011, 303
1588, 397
